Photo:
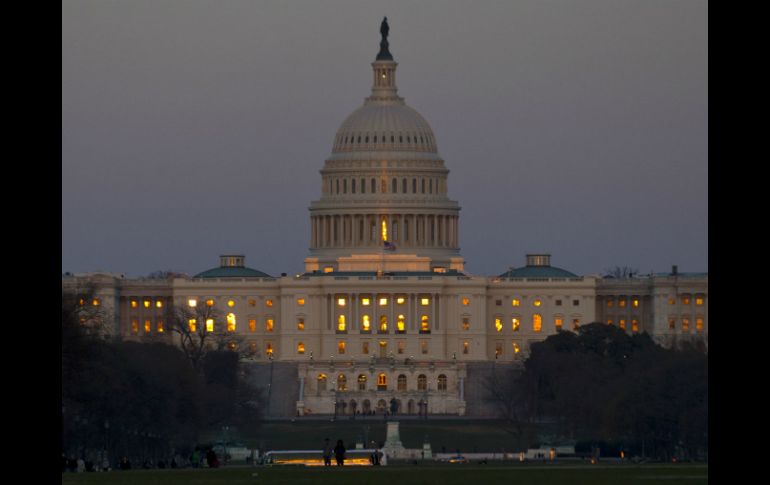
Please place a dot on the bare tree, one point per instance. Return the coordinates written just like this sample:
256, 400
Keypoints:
621, 272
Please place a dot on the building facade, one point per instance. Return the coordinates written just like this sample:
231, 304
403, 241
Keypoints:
385, 318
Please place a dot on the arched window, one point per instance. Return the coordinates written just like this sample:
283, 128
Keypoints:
374, 186
383, 324
403, 186
401, 382
375, 138
363, 186
442, 382
353, 186
423, 186
345, 186
430, 186
537, 322
422, 382
321, 382
392, 139
341, 327
424, 324
394, 185
231, 322
342, 382
341, 347
300, 348
384, 186
400, 139
401, 324
338, 185
382, 382
361, 382
359, 138
365, 323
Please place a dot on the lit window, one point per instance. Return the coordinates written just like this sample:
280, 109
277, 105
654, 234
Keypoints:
147, 303
96, 302
209, 324
401, 346
269, 349
341, 323
672, 301
300, 324
135, 326
209, 302
610, 303
622, 302
424, 301
685, 300
537, 322
537, 303
192, 324
252, 325
160, 326
383, 301
361, 382
622, 323
400, 300
365, 323
300, 348
159, 304
147, 326
384, 227
516, 348
252, 348
575, 323
515, 324
558, 322
382, 382
466, 347
364, 347
685, 324
134, 303
672, 323
499, 324
321, 382
252, 302
699, 324
498, 349
301, 301
610, 321
515, 302
401, 324
699, 301
424, 323
635, 303
424, 346
383, 323
340, 301
466, 324
365, 301
634, 325
192, 302
442, 382
328, 269
232, 346
269, 303
466, 301
341, 347
231, 322
269, 322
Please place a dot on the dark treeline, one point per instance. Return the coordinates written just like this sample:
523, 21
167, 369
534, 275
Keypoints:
144, 401
605, 388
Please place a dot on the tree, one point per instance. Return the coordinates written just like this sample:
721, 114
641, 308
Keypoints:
621, 272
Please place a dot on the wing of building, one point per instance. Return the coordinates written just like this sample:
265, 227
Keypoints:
384, 317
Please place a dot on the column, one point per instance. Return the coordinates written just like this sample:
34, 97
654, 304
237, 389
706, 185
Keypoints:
462, 388
302, 388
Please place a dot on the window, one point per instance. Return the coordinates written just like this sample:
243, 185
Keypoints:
300, 324
209, 302
341, 301
672, 301
466, 301
383, 301
401, 324
361, 382
610, 321
622, 323
269, 349
147, 326
466, 347
96, 302
341, 323
515, 302
672, 323
424, 346
192, 324
383, 328
498, 349
365, 347
342, 382
269, 323
209, 325
558, 322
537, 303
515, 324
699, 324
401, 347
400, 300
558, 302
252, 348
635, 302
516, 348
537, 323
231, 303
300, 348
341, 347
699, 301
147, 303
575, 302
365, 324
634, 325
575, 324
382, 382
685, 324
424, 324
685, 299
231, 322
424, 301
192, 302
621, 302
466, 323
610, 303
268, 303
366, 301
401, 382
499, 324
252, 302
134, 303
232, 346
498, 302
422, 382
252, 325
442, 382
160, 326
301, 301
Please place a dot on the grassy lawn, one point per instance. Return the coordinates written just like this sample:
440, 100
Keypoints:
465, 474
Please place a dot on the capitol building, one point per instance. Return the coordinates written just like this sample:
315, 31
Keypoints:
384, 316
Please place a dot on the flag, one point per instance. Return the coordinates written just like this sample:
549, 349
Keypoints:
389, 246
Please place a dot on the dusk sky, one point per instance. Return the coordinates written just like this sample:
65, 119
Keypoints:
196, 128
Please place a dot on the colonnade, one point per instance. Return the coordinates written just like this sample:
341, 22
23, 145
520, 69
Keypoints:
366, 230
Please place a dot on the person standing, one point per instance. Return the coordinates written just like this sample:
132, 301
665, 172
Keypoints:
339, 453
328, 450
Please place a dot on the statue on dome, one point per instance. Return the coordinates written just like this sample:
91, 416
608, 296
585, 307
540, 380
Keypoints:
384, 28
384, 53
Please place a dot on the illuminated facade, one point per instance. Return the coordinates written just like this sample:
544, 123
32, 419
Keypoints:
384, 316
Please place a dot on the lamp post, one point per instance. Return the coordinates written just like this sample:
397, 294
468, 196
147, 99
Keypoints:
225, 429
106, 456
269, 384
335, 405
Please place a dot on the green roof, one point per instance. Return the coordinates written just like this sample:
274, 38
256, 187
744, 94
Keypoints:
538, 272
451, 272
232, 272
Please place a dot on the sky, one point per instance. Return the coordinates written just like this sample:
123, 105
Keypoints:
196, 128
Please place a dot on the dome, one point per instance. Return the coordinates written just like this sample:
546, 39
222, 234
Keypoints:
385, 126
232, 266
538, 266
